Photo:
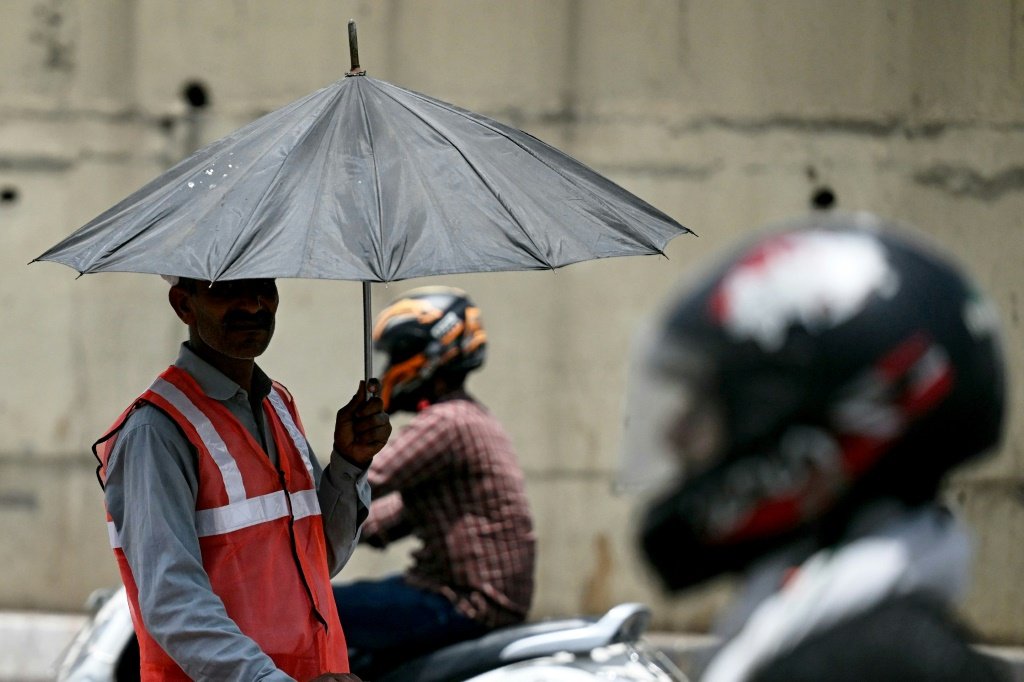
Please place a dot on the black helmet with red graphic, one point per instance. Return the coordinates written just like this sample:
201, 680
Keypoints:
426, 331
831, 362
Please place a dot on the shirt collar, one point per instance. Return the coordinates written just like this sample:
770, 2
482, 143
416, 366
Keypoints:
213, 382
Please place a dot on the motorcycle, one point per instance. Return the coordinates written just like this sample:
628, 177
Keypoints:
608, 648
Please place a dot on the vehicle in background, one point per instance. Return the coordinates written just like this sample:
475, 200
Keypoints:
608, 648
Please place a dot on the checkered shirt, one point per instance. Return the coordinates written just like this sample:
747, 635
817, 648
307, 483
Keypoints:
451, 478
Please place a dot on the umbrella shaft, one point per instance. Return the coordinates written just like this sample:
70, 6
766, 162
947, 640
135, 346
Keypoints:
367, 336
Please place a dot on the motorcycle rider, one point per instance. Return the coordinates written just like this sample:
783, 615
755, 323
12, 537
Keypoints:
813, 391
450, 478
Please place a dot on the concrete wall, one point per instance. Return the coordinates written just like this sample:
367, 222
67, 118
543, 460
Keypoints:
724, 114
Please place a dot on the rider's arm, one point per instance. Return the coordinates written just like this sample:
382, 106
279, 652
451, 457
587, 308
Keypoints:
387, 522
151, 489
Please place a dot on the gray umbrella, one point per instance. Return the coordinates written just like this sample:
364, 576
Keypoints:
363, 180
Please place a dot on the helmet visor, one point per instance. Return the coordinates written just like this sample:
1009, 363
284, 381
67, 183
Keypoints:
674, 425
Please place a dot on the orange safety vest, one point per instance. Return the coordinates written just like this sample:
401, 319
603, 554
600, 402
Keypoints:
259, 529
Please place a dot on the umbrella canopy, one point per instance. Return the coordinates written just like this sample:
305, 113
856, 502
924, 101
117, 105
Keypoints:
364, 180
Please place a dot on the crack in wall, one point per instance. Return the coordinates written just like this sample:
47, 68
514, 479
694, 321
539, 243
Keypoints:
870, 127
963, 181
129, 114
880, 127
34, 164
56, 164
664, 170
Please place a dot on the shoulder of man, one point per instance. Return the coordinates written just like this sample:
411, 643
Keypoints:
148, 415
148, 421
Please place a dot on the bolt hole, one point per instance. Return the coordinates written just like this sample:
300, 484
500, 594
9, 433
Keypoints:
8, 195
823, 199
196, 94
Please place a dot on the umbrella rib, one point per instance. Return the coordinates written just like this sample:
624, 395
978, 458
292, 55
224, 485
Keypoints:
476, 119
317, 197
270, 185
383, 273
483, 179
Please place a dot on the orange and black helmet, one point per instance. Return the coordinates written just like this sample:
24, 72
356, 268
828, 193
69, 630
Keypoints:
425, 330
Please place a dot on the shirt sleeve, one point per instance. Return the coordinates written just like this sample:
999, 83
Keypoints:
344, 495
150, 493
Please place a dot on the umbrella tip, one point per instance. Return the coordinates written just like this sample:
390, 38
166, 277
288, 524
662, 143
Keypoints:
353, 51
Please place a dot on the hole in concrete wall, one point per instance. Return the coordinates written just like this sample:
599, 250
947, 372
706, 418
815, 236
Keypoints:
823, 198
196, 94
8, 195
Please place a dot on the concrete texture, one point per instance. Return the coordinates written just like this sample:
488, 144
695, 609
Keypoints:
726, 115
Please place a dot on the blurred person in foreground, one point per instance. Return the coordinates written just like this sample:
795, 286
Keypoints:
225, 528
813, 391
451, 478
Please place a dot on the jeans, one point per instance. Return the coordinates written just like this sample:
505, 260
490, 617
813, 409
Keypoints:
388, 622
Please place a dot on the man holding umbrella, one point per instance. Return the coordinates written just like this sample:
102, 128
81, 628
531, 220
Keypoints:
250, 205
225, 528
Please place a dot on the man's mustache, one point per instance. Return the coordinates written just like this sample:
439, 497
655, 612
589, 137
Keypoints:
240, 320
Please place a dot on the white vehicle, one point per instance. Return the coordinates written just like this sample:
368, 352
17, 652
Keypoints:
610, 648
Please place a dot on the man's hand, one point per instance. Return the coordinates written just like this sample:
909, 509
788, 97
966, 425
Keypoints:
336, 677
362, 427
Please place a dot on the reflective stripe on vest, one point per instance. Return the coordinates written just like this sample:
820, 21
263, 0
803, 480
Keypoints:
249, 512
211, 439
240, 512
293, 430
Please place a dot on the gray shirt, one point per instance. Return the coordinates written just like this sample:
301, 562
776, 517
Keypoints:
158, 533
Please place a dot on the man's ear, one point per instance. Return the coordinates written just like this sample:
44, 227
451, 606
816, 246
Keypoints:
181, 300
